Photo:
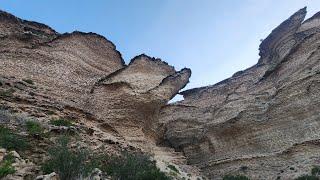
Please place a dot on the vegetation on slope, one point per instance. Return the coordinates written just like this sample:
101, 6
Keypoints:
78, 163
11, 141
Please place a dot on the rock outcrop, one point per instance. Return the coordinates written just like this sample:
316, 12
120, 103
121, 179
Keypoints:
134, 95
23, 168
85, 71
82, 76
263, 121
67, 64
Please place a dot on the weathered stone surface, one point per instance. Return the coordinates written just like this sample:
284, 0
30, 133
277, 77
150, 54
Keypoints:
65, 64
85, 71
262, 122
83, 76
23, 167
51, 176
132, 96
265, 118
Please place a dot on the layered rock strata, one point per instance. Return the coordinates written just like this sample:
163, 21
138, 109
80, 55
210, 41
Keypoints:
84, 75
263, 121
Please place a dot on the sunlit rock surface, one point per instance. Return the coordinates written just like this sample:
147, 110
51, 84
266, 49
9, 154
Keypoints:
263, 121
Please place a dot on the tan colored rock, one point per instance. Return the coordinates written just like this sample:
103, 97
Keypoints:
67, 64
95, 175
132, 96
83, 75
23, 167
51, 176
2, 153
261, 122
15, 154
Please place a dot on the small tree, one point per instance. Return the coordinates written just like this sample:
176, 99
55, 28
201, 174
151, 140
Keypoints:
6, 166
70, 165
61, 122
34, 128
11, 141
129, 166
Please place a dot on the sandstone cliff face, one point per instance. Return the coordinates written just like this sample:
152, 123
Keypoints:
263, 121
132, 96
82, 76
67, 65
85, 71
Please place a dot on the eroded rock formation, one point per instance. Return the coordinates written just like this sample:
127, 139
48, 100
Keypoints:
133, 96
85, 71
84, 74
263, 121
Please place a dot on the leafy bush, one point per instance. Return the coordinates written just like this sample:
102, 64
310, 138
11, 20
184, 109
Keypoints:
29, 81
61, 122
173, 168
133, 167
6, 166
7, 93
34, 128
78, 164
237, 177
307, 177
9, 157
315, 171
50, 112
11, 141
67, 163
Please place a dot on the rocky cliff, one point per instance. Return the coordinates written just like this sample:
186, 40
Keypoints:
261, 122
85, 71
81, 76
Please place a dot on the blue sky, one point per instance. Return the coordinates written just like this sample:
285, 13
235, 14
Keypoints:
215, 38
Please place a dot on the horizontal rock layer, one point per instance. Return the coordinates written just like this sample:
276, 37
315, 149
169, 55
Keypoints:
263, 121
84, 73
84, 70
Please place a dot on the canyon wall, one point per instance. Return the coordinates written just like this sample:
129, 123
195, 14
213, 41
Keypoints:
263, 121
85, 71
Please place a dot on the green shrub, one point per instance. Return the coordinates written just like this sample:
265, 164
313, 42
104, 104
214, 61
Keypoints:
29, 81
307, 177
244, 168
50, 112
237, 177
7, 93
6, 166
133, 167
315, 171
9, 158
173, 168
11, 141
34, 128
78, 164
67, 163
61, 122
